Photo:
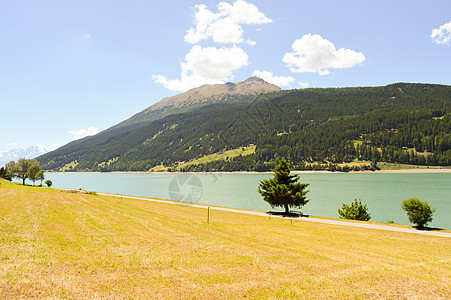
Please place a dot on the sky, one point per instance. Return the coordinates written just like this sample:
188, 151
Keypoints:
73, 68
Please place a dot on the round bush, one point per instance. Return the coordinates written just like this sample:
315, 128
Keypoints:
355, 211
418, 212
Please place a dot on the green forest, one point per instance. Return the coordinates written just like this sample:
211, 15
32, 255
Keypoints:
310, 128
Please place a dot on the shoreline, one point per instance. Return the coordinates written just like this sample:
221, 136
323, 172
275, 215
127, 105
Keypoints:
393, 171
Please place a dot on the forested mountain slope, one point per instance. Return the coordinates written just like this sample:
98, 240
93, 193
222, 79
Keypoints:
184, 102
406, 123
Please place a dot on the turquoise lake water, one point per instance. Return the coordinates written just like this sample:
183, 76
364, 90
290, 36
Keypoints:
383, 192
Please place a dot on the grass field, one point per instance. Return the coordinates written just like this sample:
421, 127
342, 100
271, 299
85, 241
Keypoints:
55, 244
221, 156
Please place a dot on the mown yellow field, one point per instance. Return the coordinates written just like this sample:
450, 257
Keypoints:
55, 244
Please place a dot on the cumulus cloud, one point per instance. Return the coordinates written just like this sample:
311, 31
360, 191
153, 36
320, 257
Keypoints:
442, 35
303, 84
313, 53
81, 133
206, 65
225, 25
281, 81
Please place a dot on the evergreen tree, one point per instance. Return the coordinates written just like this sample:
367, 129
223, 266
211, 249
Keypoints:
283, 190
4, 174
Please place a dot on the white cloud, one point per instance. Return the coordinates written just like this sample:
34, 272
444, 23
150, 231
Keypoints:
225, 25
87, 36
313, 53
12, 144
206, 65
281, 81
303, 84
442, 35
81, 133
251, 42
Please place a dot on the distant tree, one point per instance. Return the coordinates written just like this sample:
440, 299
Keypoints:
283, 190
355, 211
48, 182
23, 166
33, 172
41, 176
419, 213
11, 169
21, 169
4, 174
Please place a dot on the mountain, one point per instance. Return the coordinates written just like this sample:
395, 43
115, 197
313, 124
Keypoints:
196, 97
184, 102
403, 122
16, 153
192, 99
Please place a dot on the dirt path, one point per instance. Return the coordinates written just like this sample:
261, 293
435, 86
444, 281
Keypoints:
306, 219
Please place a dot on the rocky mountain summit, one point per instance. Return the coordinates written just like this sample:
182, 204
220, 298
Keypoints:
205, 94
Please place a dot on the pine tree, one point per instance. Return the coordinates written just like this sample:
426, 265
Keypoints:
283, 190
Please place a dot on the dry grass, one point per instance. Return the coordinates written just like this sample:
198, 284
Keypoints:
73, 245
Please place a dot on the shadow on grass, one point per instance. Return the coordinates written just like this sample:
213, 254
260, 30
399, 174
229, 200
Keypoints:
292, 214
427, 228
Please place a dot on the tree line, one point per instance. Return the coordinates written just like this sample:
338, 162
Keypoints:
24, 169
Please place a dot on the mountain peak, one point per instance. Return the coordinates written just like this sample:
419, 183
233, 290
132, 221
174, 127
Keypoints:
251, 86
16, 153
203, 95
255, 79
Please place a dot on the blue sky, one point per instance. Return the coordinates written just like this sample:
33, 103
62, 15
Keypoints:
70, 68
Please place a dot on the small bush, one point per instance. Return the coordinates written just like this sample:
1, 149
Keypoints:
355, 211
418, 212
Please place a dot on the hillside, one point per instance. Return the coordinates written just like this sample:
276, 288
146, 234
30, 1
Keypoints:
184, 102
402, 123
78, 246
196, 97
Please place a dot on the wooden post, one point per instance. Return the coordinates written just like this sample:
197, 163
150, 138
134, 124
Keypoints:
208, 215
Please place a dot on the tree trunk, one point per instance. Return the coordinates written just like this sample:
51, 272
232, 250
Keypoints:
287, 210
23, 181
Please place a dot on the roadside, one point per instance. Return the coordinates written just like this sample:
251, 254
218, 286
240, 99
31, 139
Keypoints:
307, 219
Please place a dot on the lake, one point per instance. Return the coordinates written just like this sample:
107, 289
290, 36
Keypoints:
383, 192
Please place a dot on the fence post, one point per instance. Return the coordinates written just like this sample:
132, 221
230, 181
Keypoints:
208, 215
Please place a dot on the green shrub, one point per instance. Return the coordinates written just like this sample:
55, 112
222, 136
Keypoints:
419, 213
355, 211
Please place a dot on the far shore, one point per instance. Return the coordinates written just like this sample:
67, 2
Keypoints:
405, 171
